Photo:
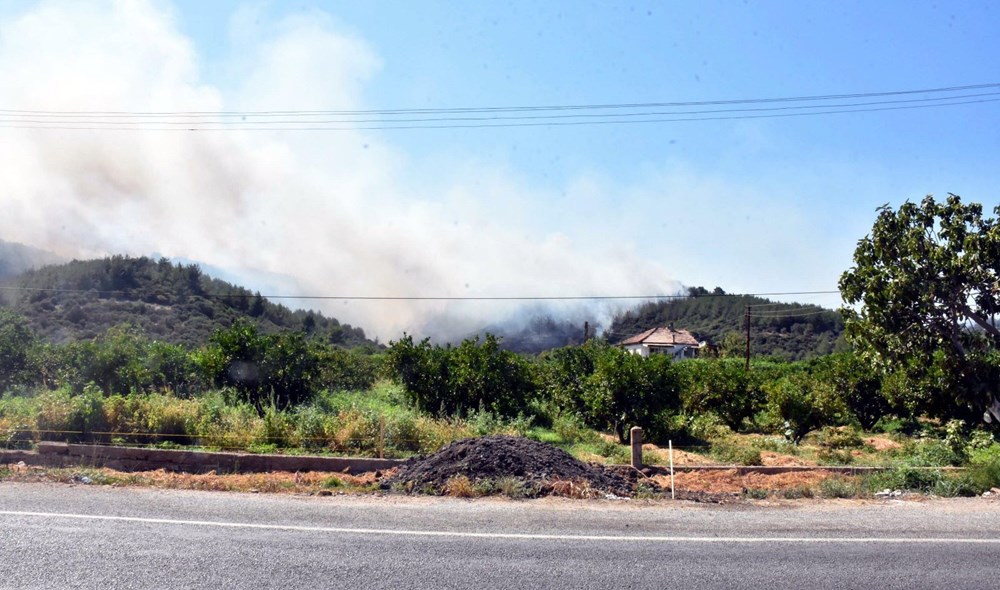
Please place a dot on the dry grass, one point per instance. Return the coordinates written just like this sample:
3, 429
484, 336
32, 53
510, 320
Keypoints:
732, 482
311, 482
459, 486
772, 458
581, 490
881, 443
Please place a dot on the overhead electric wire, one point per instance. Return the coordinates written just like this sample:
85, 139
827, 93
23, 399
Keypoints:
793, 315
58, 118
189, 128
821, 97
492, 117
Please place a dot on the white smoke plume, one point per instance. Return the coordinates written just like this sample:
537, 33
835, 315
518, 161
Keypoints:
337, 213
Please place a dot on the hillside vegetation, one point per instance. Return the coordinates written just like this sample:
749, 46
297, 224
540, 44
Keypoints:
170, 302
16, 258
789, 331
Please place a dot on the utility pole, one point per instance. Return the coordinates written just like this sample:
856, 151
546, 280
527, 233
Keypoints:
586, 331
748, 338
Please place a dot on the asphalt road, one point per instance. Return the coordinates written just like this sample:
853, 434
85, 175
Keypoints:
54, 536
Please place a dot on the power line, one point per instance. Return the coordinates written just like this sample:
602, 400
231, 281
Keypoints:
490, 116
821, 97
42, 118
393, 127
793, 315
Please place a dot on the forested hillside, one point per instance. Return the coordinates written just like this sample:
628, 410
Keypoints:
786, 330
16, 258
170, 302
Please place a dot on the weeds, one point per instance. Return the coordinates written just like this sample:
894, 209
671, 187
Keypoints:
838, 486
459, 486
736, 455
331, 482
798, 492
834, 456
580, 490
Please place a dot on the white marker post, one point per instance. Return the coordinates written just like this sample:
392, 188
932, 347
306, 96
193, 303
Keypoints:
670, 446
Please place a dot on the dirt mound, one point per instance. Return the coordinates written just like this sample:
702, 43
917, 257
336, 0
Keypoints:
493, 457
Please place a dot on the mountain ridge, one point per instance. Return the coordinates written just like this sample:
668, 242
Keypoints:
171, 302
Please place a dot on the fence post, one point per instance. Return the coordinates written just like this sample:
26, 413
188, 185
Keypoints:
636, 437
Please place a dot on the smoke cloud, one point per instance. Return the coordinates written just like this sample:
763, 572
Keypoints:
325, 213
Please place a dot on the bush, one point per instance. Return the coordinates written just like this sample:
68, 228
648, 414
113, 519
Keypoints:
803, 404
844, 437
835, 456
570, 429
837, 486
279, 369
736, 455
904, 478
722, 387
473, 375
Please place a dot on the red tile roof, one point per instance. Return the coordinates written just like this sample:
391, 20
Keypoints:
663, 337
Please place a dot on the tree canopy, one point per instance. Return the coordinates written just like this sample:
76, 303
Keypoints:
922, 296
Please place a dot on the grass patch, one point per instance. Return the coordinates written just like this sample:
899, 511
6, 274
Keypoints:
736, 455
838, 486
331, 483
798, 492
459, 486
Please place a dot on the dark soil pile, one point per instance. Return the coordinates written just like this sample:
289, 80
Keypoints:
537, 464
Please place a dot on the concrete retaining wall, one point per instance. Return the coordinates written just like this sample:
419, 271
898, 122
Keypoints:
54, 454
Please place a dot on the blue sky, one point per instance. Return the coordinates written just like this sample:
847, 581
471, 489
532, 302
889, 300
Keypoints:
752, 205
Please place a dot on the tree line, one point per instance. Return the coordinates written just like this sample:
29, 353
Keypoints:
921, 300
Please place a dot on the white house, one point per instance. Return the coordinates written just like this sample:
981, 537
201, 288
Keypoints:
676, 343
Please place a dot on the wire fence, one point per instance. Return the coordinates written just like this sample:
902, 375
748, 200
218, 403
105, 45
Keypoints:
381, 445
385, 446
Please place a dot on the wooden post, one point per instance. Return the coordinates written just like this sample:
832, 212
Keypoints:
636, 437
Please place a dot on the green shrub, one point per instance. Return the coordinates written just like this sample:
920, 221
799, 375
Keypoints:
737, 455
796, 492
953, 485
614, 453
570, 429
722, 387
755, 493
844, 437
803, 404
904, 478
838, 486
835, 456
932, 454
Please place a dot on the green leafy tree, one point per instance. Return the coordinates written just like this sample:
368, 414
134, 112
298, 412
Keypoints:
476, 374
16, 343
423, 371
563, 374
113, 361
922, 296
279, 368
483, 375
628, 390
722, 386
857, 384
802, 403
